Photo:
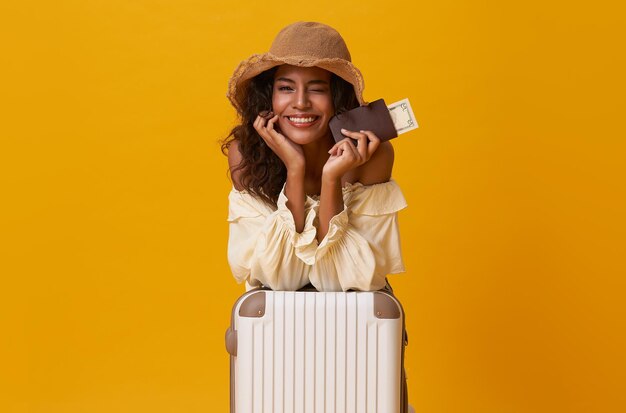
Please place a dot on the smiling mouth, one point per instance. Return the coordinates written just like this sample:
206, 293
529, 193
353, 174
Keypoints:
302, 121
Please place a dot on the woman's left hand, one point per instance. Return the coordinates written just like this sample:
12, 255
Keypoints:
344, 155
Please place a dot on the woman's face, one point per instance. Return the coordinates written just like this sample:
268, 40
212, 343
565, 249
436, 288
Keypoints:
301, 98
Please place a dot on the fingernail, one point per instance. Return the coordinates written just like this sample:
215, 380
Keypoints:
344, 130
266, 114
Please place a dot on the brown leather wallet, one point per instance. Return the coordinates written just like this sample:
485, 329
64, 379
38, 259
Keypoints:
374, 117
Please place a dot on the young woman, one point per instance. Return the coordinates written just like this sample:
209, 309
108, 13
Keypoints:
305, 209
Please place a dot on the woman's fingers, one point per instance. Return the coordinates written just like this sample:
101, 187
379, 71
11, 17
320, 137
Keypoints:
270, 123
362, 146
367, 142
258, 125
374, 143
266, 114
288, 151
336, 145
257, 122
265, 130
349, 152
261, 128
351, 134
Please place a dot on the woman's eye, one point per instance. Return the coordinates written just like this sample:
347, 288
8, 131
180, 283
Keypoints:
284, 88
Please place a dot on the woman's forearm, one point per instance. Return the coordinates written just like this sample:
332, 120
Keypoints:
294, 191
331, 204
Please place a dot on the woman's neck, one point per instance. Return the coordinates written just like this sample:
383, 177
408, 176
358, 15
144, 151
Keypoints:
315, 156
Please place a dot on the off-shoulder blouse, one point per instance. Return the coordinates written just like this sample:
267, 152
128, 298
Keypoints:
361, 247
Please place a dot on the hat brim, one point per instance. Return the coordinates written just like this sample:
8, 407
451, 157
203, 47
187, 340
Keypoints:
258, 63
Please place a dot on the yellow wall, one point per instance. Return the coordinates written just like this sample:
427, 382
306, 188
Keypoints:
115, 286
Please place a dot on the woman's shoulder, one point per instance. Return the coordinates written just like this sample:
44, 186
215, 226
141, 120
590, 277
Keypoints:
379, 167
234, 160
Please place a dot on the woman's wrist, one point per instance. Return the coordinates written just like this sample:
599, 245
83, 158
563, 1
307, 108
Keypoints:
330, 180
295, 179
296, 169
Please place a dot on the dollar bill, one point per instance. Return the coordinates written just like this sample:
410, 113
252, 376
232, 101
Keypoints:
402, 116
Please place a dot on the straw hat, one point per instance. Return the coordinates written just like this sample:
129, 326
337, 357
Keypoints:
302, 44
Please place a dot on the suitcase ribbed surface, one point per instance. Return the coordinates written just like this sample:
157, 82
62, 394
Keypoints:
318, 352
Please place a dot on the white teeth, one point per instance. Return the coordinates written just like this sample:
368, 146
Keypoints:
301, 120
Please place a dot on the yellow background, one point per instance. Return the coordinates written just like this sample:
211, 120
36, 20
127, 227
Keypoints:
115, 286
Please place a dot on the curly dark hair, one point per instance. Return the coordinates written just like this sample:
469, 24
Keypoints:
262, 171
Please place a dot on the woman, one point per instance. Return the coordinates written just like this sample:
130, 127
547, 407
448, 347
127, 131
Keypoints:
304, 209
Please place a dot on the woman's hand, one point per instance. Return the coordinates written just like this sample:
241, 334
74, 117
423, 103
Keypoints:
344, 155
288, 151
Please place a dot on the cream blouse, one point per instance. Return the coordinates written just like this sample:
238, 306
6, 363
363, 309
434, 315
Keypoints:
361, 247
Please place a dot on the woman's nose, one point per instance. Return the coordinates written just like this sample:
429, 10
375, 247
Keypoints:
301, 99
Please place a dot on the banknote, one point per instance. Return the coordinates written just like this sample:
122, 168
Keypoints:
402, 116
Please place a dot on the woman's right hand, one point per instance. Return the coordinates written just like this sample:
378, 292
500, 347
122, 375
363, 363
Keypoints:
288, 151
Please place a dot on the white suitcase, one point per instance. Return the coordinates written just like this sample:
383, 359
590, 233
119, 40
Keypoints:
309, 352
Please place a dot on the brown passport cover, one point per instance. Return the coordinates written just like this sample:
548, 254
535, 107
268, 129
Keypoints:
374, 117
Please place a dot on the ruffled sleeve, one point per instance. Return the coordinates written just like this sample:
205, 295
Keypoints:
263, 245
362, 245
